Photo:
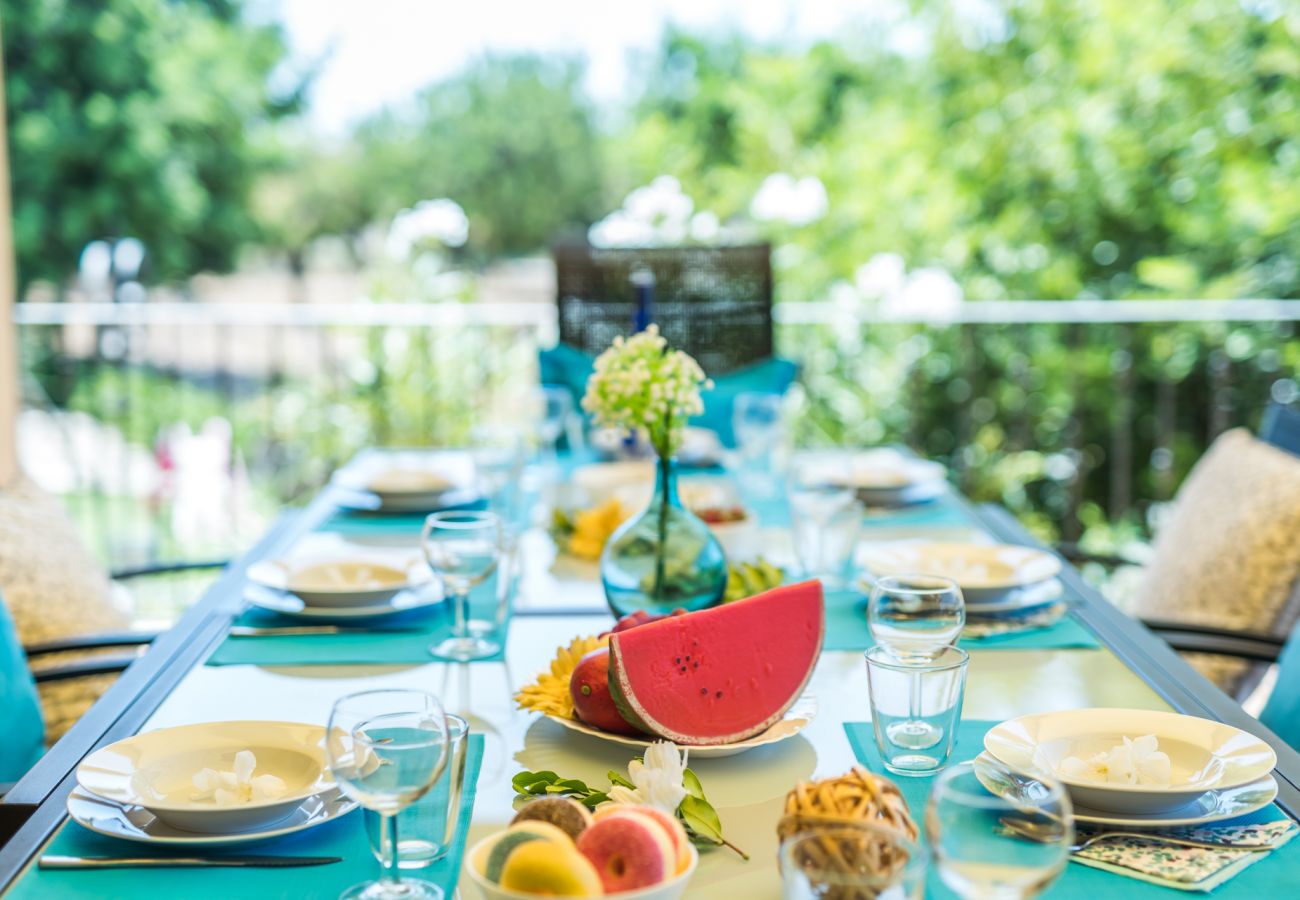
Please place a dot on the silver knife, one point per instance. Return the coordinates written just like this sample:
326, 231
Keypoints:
163, 862
294, 630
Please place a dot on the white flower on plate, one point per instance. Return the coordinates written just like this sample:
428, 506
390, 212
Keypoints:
238, 786
658, 779
1136, 761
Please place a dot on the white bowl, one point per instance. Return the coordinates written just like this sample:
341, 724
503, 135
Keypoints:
1204, 755
337, 582
154, 770
983, 571
667, 890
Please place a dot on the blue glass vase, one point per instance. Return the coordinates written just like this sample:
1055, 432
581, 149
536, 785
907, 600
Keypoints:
664, 558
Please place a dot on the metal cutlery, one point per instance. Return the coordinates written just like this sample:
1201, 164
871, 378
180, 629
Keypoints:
1042, 832
249, 631
50, 861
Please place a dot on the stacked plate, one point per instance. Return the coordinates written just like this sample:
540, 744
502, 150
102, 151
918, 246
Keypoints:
403, 486
340, 588
151, 788
1216, 772
884, 477
1001, 582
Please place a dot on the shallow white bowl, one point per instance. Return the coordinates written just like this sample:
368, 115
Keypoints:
153, 770
341, 583
1204, 755
983, 571
668, 890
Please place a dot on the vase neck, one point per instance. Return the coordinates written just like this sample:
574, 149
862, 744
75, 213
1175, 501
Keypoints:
666, 481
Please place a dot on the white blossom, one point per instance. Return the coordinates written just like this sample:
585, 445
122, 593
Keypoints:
658, 779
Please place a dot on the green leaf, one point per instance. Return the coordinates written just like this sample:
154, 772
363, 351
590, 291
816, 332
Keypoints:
691, 782
615, 778
701, 820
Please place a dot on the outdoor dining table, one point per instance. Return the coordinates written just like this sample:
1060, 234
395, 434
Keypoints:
172, 685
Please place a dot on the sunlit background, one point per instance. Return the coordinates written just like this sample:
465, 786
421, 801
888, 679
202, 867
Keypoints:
254, 237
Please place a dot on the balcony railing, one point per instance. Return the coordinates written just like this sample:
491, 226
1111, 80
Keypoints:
176, 429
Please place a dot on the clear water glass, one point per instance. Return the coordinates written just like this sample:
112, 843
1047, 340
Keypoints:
826, 522
427, 827
462, 548
974, 850
758, 426
851, 861
916, 616
554, 411
498, 454
386, 749
915, 707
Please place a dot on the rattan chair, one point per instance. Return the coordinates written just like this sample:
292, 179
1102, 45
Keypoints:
713, 302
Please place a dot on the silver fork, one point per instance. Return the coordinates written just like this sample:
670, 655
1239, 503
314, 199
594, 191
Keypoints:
1035, 831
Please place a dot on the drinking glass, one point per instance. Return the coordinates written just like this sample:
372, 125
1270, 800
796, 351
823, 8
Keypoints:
462, 548
826, 520
851, 861
757, 425
554, 409
498, 456
916, 617
386, 749
974, 850
428, 826
915, 707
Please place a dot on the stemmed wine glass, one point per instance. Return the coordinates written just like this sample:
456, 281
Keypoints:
386, 749
915, 617
462, 548
996, 833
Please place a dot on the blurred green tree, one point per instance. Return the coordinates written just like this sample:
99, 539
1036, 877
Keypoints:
139, 118
512, 139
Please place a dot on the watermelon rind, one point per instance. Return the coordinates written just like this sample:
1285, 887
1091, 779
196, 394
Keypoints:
628, 707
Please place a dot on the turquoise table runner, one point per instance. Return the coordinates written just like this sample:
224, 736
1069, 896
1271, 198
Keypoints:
345, 837
1276, 873
846, 629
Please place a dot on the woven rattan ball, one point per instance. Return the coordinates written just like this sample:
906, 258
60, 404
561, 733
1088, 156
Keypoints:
859, 796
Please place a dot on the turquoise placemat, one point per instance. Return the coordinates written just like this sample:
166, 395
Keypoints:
360, 527
1276, 874
846, 629
345, 837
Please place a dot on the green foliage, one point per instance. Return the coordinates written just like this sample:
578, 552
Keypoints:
1058, 149
135, 118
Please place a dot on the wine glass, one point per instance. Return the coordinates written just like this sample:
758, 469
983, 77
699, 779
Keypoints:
462, 549
915, 617
995, 832
386, 749
498, 456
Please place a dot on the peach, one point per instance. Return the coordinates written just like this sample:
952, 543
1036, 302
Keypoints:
540, 867
629, 850
673, 828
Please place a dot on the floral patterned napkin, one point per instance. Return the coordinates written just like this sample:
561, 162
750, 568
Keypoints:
1189, 868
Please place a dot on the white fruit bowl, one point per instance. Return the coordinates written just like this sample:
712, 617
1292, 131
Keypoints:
671, 889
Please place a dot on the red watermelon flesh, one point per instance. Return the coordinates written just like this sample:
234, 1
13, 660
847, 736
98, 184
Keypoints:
719, 675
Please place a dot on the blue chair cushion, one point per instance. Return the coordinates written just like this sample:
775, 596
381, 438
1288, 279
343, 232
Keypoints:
24, 739
1282, 711
1281, 428
570, 368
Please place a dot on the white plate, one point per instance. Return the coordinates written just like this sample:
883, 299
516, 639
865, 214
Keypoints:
911, 495
796, 720
1019, 600
1213, 806
289, 605
1204, 755
154, 770
879, 469
135, 823
983, 571
335, 582
361, 500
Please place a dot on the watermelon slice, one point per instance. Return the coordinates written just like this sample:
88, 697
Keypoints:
719, 675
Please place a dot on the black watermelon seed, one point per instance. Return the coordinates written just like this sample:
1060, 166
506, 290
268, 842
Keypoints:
704, 690
719, 695
678, 660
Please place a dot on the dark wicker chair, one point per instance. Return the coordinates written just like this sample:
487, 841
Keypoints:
713, 302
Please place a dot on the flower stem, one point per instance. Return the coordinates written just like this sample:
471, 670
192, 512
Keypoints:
665, 474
